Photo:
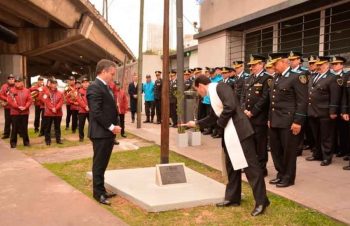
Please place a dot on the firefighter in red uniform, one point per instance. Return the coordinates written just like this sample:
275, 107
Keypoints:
67, 91
19, 100
35, 92
71, 99
5, 89
53, 100
122, 103
83, 108
42, 107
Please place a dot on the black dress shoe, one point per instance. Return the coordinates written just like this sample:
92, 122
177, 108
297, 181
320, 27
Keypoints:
227, 203
275, 181
48, 143
313, 158
340, 154
207, 132
13, 145
265, 173
110, 195
346, 167
59, 142
81, 139
116, 142
216, 136
259, 209
284, 184
326, 162
103, 200
26, 145
346, 158
147, 121
5, 137
123, 135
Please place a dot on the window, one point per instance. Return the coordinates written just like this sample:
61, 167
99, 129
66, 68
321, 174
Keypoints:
260, 41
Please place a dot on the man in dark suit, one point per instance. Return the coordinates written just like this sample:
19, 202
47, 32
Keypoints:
287, 113
132, 90
103, 125
231, 110
255, 104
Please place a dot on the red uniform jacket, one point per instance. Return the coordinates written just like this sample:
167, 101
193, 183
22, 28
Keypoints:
5, 89
121, 100
82, 100
72, 100
37, 101
53, 99
19, 98
41, 96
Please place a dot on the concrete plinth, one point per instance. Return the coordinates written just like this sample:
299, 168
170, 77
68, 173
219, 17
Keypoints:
139, 186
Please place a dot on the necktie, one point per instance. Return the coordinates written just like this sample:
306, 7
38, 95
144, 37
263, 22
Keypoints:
317, 77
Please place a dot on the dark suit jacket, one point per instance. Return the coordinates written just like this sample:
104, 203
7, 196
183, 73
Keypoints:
103, 111
132, 90
324, 96
288, 100
255, 98
231, 110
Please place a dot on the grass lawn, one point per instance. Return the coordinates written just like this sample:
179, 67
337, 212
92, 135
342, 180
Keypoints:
281, 211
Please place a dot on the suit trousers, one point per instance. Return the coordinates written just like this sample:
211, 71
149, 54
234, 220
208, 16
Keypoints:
342, 136
253, 173
38, 113
74, 119
157, 103
102, 152
82, 117
8, 122
122, 123
260, 138
56, 121
323, 130
43, 123
19, 126
150, 108
283, 150
68, 116
173, 113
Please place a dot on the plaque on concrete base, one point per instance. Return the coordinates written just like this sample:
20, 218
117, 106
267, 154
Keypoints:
172, 173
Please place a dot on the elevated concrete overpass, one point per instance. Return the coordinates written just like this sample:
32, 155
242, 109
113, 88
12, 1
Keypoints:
56, 37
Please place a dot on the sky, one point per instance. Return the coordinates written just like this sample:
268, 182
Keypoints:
124, 17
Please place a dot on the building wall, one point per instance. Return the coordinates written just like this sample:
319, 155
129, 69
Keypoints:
222, 11
212, 50
193, 59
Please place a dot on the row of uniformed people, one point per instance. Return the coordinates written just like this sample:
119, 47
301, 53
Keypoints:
48, 102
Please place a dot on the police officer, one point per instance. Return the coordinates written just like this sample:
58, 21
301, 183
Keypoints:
324, 98
241, 76
19, 100
255, 104
53, 100
227, 76
287, 112
5, 89
342, 131
158, 95
173, 98
269, 69
187, 80
83, 113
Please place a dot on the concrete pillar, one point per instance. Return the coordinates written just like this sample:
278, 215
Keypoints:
12, 64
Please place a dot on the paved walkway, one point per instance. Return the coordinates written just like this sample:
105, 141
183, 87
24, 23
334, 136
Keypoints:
325, 189
31, 195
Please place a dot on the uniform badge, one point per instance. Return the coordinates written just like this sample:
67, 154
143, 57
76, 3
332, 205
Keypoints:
44, 96
303, 79
269, 82
340, 81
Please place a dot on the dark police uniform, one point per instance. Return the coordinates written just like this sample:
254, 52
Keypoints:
158, 97
324, 97
255, 98
288, 105
240, 80
173, 101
